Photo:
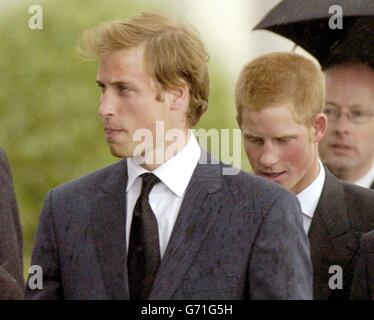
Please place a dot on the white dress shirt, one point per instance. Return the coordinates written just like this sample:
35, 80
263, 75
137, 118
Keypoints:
166, 196
367, 180
309, 197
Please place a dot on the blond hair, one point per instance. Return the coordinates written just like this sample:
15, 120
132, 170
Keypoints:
174, 55
282, 78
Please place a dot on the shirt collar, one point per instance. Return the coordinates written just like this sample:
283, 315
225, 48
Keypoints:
134, 170
175, 173
367, 179
309, 197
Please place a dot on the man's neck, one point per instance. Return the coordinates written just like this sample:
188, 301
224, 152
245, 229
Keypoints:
309, 177
166, 150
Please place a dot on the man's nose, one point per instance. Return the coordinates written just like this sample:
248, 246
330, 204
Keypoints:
269, 156
343, 124
107, 105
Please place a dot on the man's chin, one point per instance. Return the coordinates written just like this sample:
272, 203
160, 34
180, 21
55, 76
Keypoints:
119, 152
338, 163
138, 154
339, 167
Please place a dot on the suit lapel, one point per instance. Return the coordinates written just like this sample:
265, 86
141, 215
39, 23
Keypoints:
196, 216
331, 209
109, 228
329, 234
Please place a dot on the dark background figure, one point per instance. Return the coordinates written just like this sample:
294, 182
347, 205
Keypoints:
10, 228
363, 280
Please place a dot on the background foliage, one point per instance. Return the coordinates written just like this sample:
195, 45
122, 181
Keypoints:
49, 124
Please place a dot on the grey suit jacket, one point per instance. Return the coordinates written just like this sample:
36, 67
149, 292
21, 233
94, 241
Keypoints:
236, 237
9, 289
10, 228
343, 214
363, 280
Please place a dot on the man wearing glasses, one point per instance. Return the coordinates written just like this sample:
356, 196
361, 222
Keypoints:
348, 147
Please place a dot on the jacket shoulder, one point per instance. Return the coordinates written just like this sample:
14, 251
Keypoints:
359, 196
249, 186
361, 202
3, 158
90, 181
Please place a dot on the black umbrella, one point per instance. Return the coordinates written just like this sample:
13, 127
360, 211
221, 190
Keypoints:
307, 24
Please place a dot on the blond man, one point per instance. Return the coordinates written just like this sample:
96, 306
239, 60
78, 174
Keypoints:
175, 228
280, 99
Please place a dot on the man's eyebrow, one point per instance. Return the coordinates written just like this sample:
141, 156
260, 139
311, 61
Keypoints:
356, 106
286, 136
331, 104
115, 83
351, 106
245, 131
249, 134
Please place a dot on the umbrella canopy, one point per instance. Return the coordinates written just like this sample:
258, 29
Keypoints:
307, 24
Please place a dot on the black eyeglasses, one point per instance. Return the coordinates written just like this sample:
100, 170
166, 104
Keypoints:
356, 116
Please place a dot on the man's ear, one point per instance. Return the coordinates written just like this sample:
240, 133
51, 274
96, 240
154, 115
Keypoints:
320, 124
178, 98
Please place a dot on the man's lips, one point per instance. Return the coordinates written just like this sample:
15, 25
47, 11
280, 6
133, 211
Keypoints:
112, 129
111, 132
272, 175
341, 147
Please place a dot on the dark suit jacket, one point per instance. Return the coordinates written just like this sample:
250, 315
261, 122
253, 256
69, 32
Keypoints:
9, 289
236, 237
363, 280
10, 228
343, 214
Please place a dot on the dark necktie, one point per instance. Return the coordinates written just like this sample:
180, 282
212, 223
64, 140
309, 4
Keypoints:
144, 248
